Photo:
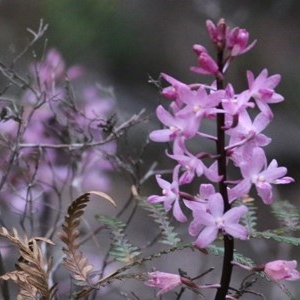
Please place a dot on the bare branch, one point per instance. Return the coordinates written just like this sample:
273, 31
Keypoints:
118, 131
36, 36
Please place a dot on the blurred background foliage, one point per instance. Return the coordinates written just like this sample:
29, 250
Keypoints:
127, 40
123, 42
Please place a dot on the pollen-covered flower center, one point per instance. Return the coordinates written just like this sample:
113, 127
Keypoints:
258, 179
197, 108
174, 128
187, 167
219, 222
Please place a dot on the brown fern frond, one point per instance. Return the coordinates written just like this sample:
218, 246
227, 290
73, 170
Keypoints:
20, 278
74, 261
32, 272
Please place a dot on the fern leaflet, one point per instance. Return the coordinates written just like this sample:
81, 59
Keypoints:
32, 270
158, 213
286, 213
268, 234
121, 250
250, 219
74, 261
219, 251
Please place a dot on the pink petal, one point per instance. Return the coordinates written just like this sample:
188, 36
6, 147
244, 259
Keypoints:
164, 116
237, 231
234, 214
163, 183
206, 237
253, 167
216, 205
265, 192
161, 135
177, 212
239, 190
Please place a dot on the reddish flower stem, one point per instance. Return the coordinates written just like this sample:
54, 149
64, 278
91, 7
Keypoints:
222, 169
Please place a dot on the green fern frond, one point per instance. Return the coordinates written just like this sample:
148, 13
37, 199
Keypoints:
250, 219
158, 213
273, 234
238, 257
121, 250
286, 213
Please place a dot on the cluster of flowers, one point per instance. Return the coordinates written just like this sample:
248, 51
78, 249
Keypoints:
42, 133
190, 105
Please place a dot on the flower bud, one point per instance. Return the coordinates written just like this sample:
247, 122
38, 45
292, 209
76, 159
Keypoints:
217, 33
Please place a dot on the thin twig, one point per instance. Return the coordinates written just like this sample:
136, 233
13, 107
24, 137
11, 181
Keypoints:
36, 36
119, 131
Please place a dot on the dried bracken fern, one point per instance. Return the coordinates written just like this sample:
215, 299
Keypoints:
74, 261
32, 274
27, 291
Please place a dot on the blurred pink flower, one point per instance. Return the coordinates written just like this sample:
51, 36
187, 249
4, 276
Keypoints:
21, 198
91, 170
50, 75
53, 68
282, 270
37, 128
97, 104
8, 127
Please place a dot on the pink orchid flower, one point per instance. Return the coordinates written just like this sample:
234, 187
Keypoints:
168, 281
170, 195
215, 221
261, 89
164, 281
282, 270
177, 126
255, 172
